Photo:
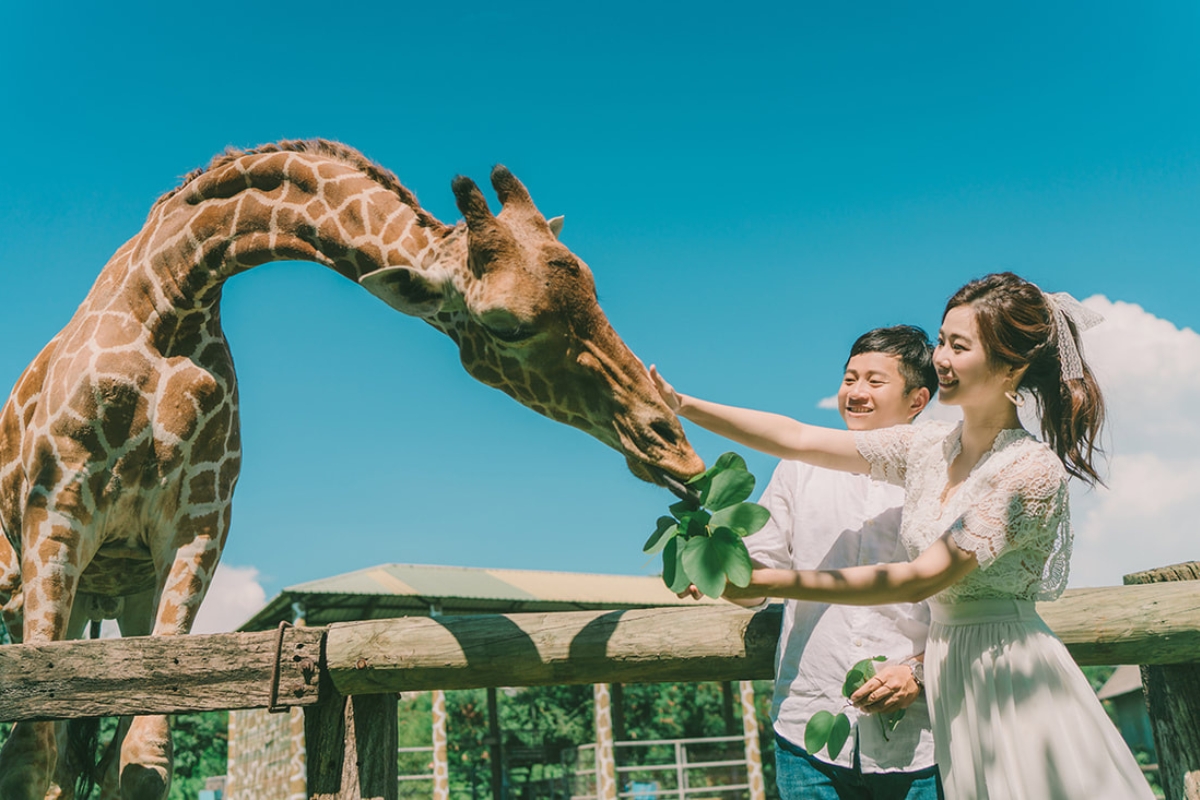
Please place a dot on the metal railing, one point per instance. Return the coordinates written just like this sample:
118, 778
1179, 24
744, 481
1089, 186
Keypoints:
682, 768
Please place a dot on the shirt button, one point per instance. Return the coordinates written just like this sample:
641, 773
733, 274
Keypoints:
858, 642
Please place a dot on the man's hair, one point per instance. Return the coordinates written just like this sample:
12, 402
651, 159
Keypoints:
910, 345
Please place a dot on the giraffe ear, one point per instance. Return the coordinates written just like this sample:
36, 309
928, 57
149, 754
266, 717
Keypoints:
556, 225
405, 290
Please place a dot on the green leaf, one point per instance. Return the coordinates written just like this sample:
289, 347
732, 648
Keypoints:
743, 518
728, 461
729, 488
705, 565
682, 508
738, 565
674, 574
838, 734
701, 483
713, 560
689, 518
859, 674
816, 732
667, 528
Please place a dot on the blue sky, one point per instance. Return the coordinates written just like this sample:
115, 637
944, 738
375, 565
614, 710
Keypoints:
753, 186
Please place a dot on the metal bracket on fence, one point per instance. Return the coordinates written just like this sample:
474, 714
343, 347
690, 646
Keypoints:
273, 706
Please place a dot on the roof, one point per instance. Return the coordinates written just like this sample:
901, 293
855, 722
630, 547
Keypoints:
398, 590
1127, 678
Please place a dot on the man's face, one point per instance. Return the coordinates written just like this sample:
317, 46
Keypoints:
872, 393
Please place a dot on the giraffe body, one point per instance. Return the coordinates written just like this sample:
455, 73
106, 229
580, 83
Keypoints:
120, 444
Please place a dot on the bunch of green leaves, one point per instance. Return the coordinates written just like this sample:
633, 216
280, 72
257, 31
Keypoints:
701, 542
826, 729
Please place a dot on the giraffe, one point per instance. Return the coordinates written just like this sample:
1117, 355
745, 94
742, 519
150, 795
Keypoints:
120, 445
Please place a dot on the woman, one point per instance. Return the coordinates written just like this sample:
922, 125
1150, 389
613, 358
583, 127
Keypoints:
986, 523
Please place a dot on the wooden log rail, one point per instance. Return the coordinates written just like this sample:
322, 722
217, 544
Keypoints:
1155, 624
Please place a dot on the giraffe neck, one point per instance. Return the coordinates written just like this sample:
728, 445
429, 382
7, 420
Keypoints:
264, 207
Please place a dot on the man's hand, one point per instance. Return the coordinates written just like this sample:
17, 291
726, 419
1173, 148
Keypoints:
746, 598
892, 689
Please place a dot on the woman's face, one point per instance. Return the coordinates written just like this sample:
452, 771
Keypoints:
965, 376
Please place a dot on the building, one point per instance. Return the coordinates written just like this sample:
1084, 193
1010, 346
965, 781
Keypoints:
266, 752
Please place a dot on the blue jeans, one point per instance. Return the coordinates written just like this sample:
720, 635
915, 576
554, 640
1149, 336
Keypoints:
802, 777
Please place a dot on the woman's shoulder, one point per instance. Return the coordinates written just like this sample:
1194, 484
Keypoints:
934, 430
1031, 462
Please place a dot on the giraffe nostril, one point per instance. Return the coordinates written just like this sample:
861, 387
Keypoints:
665, 431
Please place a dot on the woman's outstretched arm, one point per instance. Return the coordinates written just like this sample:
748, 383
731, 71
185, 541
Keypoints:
943, 564
773, 434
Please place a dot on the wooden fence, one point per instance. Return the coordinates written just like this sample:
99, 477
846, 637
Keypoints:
346, 675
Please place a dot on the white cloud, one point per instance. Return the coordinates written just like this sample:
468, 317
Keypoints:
828, 402
234, 596
1149, 370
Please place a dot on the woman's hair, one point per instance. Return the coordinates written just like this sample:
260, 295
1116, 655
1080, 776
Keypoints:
1017, 327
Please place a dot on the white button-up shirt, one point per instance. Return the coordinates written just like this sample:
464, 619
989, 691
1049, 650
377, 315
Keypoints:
823, 519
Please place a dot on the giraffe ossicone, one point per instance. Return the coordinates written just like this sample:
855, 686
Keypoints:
120, 444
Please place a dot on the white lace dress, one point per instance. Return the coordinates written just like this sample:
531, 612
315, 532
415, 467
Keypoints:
1013, 716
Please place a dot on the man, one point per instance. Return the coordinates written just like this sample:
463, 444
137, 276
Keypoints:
822, 519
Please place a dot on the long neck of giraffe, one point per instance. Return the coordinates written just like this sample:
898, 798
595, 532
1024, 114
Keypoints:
272, 206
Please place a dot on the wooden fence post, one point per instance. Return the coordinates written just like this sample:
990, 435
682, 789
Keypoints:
351, 747
1173, 698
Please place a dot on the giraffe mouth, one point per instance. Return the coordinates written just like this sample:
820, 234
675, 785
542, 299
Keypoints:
680, 489
676, 486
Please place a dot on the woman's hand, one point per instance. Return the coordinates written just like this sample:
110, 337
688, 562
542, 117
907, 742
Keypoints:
672, 398
892, 689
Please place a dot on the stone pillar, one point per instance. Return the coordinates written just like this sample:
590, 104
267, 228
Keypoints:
297, 769
441, 761
606, 766
754, 768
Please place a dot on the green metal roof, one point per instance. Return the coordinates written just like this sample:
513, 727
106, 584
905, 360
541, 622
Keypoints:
397, 590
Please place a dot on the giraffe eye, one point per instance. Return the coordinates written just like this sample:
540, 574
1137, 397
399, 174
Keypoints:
510, 335
505, 326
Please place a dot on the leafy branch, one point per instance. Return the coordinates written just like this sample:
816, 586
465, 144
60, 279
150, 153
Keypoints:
826, 729
701, 541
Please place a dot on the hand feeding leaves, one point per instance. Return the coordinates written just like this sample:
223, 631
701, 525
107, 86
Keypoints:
827, 729
701, 541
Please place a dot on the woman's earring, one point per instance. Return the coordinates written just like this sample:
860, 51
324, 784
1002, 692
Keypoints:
1016, 399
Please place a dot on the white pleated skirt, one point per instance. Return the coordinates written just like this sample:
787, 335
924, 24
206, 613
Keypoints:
1013, 716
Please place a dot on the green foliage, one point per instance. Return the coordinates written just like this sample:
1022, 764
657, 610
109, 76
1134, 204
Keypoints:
829, 730
701, 542
559, 717
201, 751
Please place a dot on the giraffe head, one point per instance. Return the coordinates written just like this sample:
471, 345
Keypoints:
523, 310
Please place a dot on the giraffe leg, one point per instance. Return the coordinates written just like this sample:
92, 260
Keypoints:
78, 738
146, 753
11, 598
28, 758
135, 618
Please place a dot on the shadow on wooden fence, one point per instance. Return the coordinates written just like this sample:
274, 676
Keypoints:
1154, 624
